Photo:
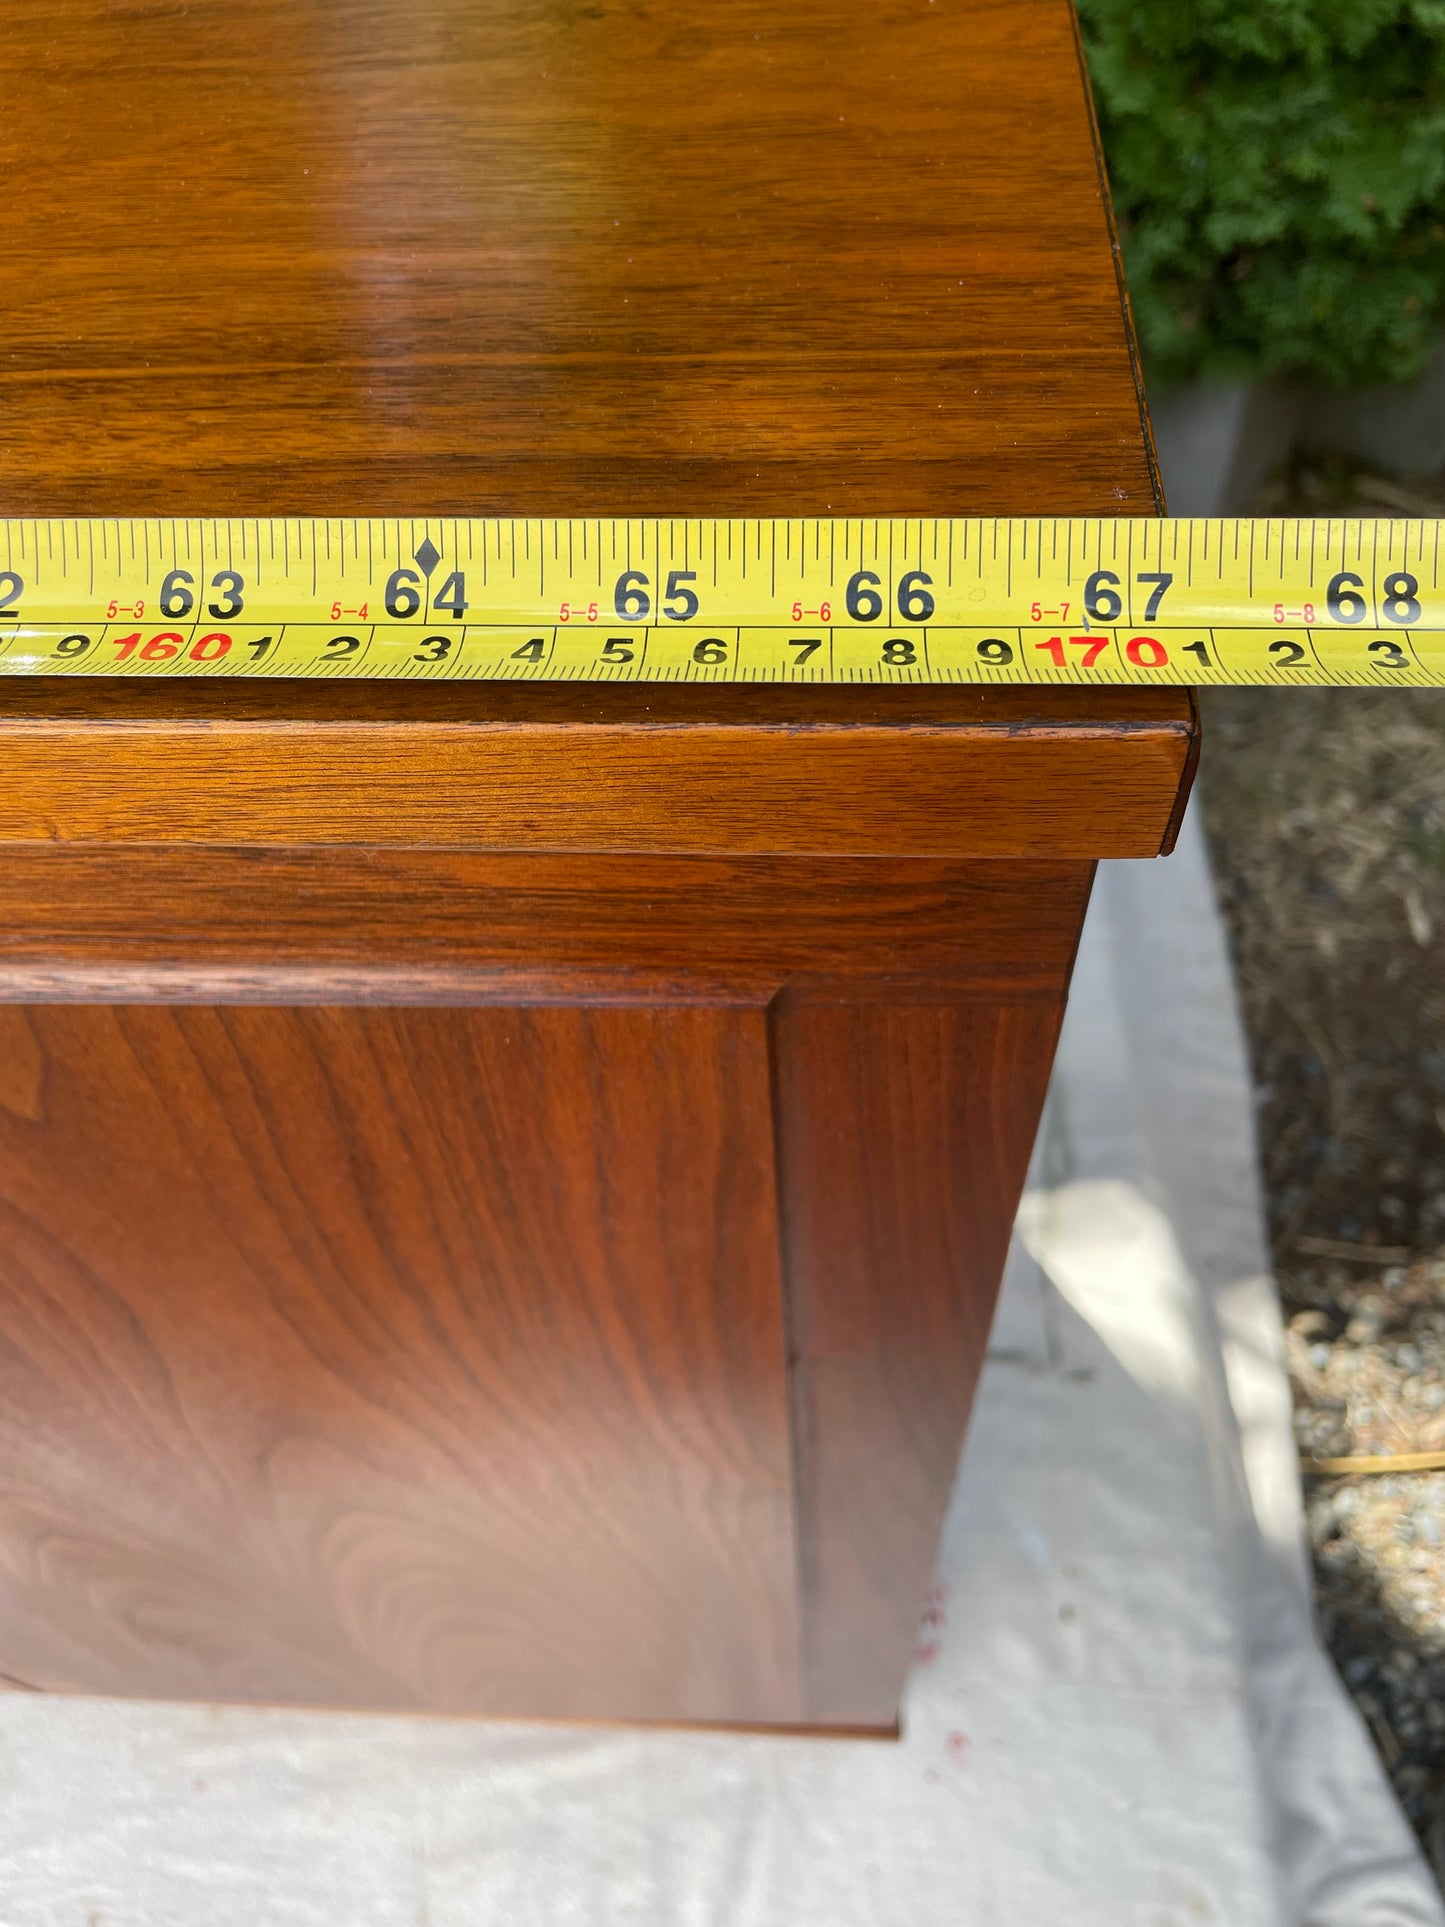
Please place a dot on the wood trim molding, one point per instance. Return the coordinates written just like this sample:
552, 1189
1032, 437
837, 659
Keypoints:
912, 773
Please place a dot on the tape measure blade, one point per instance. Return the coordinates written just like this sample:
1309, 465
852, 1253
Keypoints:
871, 601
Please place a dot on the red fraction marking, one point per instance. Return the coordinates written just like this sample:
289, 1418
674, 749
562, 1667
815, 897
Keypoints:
956, 1748
927, 1653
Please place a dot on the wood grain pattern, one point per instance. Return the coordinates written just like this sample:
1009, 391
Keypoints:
936, 773
428, 1116
220, 924
904, 1135
515, 256
402, 1358
417, 1289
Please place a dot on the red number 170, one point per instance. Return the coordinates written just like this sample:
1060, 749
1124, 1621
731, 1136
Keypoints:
1145, 652
1092, 646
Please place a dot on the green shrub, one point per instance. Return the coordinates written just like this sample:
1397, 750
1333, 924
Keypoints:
1278, 169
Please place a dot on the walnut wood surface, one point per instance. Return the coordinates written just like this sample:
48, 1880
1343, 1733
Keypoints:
523, 256
904, 1134
350, 1358
501, 1191
445, 1357
933, 773
219, 924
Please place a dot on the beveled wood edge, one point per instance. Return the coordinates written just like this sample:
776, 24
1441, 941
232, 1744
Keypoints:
865, 789
451, 986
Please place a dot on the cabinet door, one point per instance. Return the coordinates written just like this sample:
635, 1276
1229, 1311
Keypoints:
422, 1358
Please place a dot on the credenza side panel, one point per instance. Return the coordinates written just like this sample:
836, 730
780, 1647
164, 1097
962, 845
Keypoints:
904, 1135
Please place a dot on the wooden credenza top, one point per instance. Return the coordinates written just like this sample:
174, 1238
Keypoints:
504, 256
492, 256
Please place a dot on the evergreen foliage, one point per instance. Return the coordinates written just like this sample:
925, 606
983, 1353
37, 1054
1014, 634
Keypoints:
1278, 170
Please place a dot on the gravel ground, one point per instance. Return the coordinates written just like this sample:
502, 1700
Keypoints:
1326, 816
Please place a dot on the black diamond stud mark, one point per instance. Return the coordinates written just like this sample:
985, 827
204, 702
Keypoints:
428, 555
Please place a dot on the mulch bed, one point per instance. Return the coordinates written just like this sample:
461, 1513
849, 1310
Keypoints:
1325, 811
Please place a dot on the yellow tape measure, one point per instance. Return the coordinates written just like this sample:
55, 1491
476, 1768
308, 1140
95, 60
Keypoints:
977, 601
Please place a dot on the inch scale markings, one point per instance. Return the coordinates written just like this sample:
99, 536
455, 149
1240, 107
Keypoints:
913, 600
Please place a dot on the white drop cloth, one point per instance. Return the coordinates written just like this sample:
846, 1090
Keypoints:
1123, 1720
